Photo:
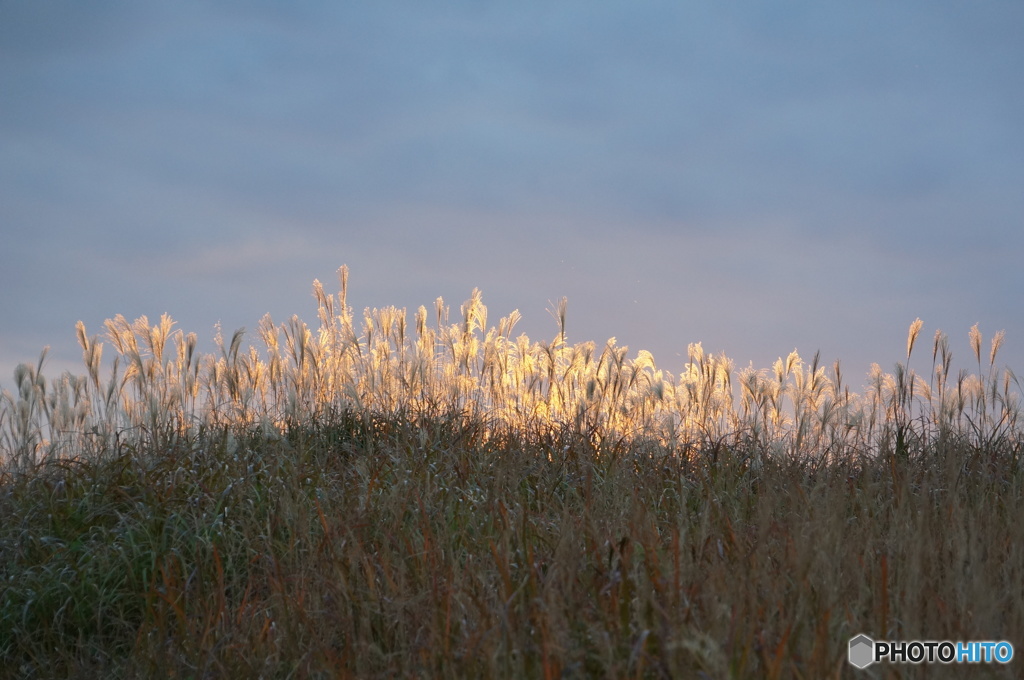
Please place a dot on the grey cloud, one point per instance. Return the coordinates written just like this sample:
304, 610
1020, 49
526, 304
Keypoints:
207, 137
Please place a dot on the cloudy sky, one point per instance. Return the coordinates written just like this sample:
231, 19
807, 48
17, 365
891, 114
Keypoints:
755, 176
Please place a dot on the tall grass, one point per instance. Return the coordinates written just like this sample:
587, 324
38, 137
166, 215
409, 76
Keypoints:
370, 499
158, 390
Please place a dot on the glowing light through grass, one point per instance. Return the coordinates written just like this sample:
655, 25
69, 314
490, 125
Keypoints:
158, 388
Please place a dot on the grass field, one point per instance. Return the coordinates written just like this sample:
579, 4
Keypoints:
449, 500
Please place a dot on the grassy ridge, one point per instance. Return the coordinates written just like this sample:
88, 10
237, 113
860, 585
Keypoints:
454, 504
393, 547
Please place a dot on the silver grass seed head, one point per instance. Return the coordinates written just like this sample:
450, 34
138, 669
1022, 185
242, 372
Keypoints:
915, 329
975, 336
997, 342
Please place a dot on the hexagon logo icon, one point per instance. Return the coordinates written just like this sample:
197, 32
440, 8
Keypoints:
862, 651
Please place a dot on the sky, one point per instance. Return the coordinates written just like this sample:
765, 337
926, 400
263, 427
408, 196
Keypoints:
758, 177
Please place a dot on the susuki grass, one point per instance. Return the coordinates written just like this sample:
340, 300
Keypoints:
446, 499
